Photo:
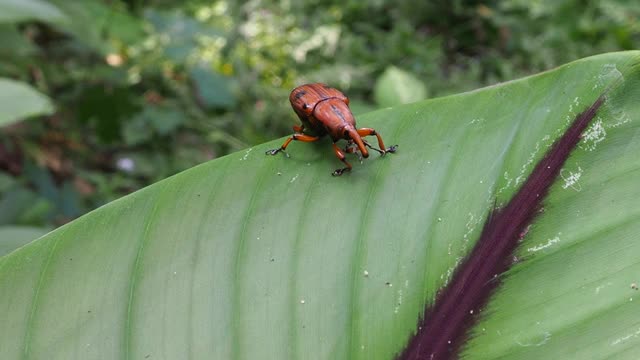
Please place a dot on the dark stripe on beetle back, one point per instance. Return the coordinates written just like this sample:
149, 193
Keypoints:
338, 113
300, 94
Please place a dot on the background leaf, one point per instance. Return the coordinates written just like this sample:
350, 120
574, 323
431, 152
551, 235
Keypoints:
19, 100
12, 11
12, 237
95, 22
213, 89
251, 256
396, 86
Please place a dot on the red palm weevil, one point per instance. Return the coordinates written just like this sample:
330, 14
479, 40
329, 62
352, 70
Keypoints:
324, 110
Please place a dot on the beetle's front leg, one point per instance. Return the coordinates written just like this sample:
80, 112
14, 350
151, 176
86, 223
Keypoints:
298, 137
382, 150
351, 148
342, 158
392, 149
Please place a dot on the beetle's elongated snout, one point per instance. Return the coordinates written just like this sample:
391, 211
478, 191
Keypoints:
353, 134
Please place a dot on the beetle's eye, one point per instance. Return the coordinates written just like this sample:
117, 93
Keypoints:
305, 106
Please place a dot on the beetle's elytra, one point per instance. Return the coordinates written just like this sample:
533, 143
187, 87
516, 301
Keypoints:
324, 110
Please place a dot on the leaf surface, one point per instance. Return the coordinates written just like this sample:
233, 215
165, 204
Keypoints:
250, 256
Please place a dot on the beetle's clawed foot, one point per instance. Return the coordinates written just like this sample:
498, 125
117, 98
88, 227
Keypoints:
391, 149
275, 151
339, 172
381, 152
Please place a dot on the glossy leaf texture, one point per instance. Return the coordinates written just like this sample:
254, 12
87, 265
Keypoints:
252, 256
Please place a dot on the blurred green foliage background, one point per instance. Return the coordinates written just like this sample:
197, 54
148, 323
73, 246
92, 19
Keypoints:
130, 92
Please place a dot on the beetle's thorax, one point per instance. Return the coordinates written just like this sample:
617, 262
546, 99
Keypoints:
336, 118
311, 102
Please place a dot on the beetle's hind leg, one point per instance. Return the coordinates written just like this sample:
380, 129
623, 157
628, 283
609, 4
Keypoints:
342, 158
298, 137
382, 149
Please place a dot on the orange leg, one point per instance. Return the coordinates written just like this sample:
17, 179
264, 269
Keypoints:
342, 158
298, 128
298, 137
382, 150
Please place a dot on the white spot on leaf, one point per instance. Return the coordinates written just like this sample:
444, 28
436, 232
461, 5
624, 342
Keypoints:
571, 179
593, 135
626, 337
545, 337
246, 155
545, 245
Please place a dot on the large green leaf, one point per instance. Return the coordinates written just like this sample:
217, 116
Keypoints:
256, 257
19, 100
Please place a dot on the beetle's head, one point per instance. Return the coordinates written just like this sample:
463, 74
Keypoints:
352, 134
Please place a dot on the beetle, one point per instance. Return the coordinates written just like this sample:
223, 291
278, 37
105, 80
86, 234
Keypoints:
324, 110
